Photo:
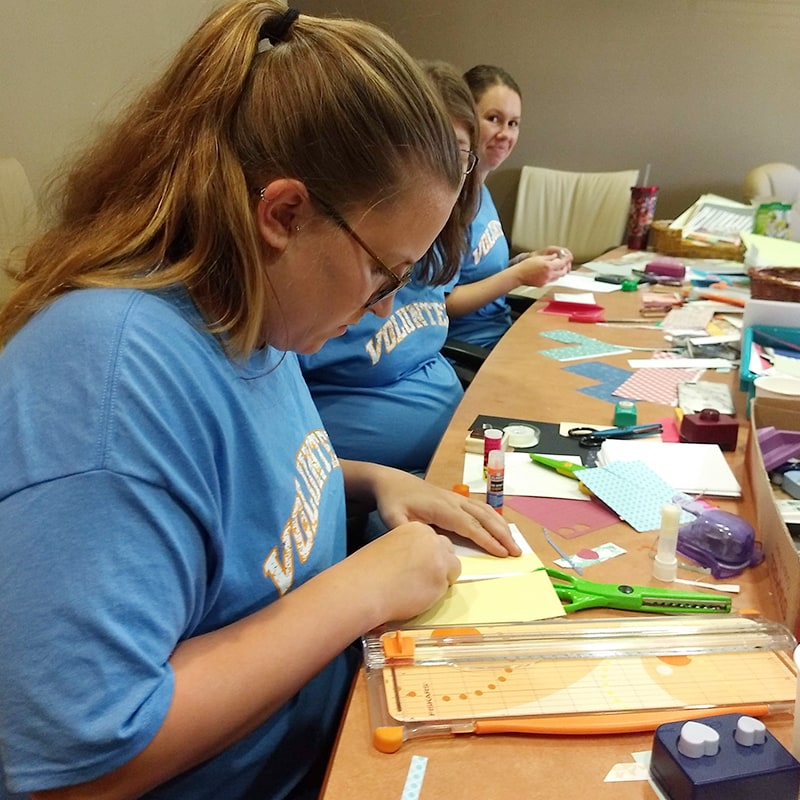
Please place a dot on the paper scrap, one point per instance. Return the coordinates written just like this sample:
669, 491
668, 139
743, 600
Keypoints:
414, 778
679, 363
631, 771
588, 556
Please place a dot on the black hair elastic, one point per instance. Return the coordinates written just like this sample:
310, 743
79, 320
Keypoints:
274, 30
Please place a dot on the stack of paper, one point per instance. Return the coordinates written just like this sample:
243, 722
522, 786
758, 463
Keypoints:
688, 467
716, 220
491, 589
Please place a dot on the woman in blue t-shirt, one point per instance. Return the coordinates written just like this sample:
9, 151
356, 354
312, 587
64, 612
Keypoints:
177, 599
383, 389
476, 305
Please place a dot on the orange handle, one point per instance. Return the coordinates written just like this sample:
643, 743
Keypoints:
623, 722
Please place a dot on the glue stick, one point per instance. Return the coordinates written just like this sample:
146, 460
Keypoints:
492, 440
495, 478
665, 566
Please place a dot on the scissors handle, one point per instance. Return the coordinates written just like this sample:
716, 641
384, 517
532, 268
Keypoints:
596, 438
562, 467
629, 431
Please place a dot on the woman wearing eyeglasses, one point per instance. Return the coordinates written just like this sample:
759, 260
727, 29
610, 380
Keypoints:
177, 604
479, 313
383, 389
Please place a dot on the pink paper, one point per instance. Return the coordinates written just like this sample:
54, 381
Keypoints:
567, 518
656, 385
669, 430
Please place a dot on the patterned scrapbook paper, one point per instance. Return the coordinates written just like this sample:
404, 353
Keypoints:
656, 385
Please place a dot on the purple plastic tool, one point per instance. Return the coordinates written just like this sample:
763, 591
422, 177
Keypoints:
777, 446
721, 541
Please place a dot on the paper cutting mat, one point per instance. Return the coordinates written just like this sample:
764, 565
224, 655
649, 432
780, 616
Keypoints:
578, 685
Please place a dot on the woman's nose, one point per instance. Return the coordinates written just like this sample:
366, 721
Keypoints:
383, 307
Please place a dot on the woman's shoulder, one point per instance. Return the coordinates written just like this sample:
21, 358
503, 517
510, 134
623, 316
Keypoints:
88, 317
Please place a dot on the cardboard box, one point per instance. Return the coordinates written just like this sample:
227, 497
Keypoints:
782, 558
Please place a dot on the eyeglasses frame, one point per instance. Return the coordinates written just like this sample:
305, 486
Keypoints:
397, 283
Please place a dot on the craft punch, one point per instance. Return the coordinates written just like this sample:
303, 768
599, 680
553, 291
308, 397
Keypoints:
710, 427
725, 757
721, 541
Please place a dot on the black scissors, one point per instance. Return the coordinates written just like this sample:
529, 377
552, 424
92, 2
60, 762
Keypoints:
591, 437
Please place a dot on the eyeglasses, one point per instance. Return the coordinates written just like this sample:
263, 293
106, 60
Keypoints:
470, 160
395, 283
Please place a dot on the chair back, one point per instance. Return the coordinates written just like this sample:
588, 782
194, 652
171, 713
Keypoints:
584, 211
776, 181
18, 219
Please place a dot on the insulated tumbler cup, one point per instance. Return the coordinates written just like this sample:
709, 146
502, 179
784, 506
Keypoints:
640, 216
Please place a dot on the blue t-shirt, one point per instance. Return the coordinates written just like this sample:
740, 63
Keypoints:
488, 254
384, 391
151, 490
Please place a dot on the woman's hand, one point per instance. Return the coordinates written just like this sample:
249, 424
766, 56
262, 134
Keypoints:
542, 266
407, 570
402, 497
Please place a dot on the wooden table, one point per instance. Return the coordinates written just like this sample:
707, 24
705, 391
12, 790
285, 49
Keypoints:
517, 382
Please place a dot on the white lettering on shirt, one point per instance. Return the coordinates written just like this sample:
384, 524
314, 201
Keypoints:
494, 230
404, 321
314, 464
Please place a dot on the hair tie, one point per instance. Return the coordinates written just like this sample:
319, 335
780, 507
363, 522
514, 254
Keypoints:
274, 30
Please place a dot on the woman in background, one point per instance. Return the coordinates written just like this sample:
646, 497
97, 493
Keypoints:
383, 389
177, 601
476, 304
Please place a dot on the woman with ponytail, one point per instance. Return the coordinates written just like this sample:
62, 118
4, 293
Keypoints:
177, 600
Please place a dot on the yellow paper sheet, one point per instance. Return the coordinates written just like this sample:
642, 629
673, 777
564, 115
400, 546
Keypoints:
514, 598
486, 566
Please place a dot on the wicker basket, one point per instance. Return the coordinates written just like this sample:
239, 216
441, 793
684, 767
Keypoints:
670, 242
775, 283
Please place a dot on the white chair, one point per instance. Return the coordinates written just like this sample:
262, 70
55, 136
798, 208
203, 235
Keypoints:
18, 219
774, 181
584, 211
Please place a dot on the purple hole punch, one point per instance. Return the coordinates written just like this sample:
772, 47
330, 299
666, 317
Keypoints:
721, 541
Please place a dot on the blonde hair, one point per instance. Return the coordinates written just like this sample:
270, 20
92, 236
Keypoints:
166, 195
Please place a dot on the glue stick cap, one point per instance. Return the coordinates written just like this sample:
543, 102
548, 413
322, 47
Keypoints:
493, 438
496, 459
665, 565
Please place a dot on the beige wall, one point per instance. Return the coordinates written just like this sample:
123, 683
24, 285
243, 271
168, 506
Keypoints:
65, 65
700, 89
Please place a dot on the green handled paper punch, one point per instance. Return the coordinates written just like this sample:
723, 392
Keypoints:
561, 466
578, 593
